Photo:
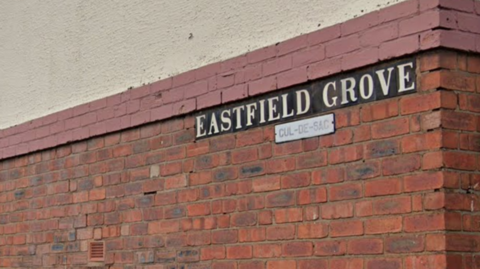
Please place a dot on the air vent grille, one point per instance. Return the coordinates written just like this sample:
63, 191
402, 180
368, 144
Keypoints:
96, 252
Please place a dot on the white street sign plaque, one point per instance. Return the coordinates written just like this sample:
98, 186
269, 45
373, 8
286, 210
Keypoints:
311, 127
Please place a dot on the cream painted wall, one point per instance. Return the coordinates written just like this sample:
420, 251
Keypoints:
55, 54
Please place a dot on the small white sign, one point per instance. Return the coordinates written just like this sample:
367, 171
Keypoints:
311, 127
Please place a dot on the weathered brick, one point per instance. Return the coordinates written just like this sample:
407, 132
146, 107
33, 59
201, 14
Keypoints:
330, 248
266, 250
280, 199
337, 211
404, 244
401, 164
346, 228
365, 246
345, 191
281, 232
297, 249
390, 128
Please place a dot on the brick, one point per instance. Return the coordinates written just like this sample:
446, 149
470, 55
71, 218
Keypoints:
310, 160
252, 235
280, 165
174, 212
425, 21
423, 181
198, 209
292, 77
455, 80
244, 155
296, 180
399, 47
458, 121
364, 208
360, 58
312, 230
409, 105
347, 118
277, 65
288, 215
252, 137
382, 148
330, 248
211, 253
337, 211
363, 171
342, 46
387, 263
400, 165
468, 22
251, 265
161, 227
383, 225
263, 85
175, 182
434, 60
383, 187
261, 54
421, 142
379, 111
458, 160
404, 244
324, 68
346, 154
397, 205
265, 217
224, 237
285, 232
220, 265
239, 252
433, 201
345, 191
379, 34
280, 199
469, 103
297, 249
244, 219
313, 195
96, 194
251, 72
266, 184
344, 263
266, 250
346, 228
390, 128
308, 56
234, 93
281, 264
424, 222
365, 246
312, 264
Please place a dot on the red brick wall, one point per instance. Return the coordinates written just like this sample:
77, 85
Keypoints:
405, 28
460, 197
395, 187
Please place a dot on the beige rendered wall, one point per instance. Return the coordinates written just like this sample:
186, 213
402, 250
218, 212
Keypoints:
55, 54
